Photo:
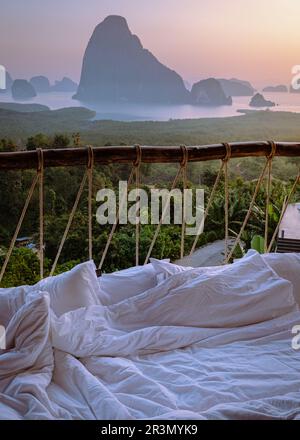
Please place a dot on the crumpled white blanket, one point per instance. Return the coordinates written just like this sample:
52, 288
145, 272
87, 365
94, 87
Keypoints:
182, 350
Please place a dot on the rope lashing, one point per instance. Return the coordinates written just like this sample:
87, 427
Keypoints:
114, 226
257, 187
70, 220
180, 171
268, 191
87, 175
210, 200
184, 162
19, 225
137, 165
284, 208
40, 171
90, 170
226, 195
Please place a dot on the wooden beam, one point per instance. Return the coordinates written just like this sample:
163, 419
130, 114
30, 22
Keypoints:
69, 157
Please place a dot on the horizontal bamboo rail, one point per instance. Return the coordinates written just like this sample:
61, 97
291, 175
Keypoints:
69, 157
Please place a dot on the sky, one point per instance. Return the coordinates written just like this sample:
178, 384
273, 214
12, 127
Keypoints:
256, 40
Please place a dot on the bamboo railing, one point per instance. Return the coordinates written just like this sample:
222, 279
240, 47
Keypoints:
135, 155
69, 157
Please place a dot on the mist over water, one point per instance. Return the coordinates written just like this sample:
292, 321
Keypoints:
289, 102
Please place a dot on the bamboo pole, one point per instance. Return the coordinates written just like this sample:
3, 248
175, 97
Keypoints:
70, 157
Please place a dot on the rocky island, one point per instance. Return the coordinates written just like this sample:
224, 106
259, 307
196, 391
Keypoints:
258, 100
281, 88
40, 83
117, 68
209, 92
236, 87
22, 89
64, 85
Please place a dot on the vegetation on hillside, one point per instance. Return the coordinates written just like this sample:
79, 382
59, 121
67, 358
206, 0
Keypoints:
252, 126
60, 129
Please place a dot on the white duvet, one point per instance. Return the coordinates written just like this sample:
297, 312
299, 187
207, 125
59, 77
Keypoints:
193, 347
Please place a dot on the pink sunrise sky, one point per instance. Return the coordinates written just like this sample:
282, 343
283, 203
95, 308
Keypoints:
256, 40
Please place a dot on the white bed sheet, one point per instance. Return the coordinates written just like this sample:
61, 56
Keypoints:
102, 368
250, 372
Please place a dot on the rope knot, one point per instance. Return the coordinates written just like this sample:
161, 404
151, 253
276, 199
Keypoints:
185, 156
273, 150
228, 151
90, 151
138, 159
40, 160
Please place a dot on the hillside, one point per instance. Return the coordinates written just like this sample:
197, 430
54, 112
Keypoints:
23, 108
252, 126
19, 124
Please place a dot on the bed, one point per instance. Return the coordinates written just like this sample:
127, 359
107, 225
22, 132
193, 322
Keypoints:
159, 341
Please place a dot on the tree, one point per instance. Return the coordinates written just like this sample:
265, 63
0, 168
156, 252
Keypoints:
7, 145
23, 268
40, 140
61, 141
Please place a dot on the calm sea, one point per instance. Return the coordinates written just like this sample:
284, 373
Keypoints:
137, 112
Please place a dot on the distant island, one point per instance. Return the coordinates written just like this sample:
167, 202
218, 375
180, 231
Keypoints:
117, 68
21, 89
41, 84
281, 88
258, 100
236, 87
65, 85
209, 92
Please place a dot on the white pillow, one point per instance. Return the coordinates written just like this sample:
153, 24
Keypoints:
28, 347
73, 289
117, 286
12, 299
286, 266
166, 269
244, 293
